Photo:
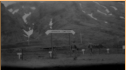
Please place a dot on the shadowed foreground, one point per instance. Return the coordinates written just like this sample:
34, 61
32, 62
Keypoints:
88, 67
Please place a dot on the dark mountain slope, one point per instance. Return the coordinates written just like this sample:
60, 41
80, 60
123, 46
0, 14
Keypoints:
11, 28
99, 22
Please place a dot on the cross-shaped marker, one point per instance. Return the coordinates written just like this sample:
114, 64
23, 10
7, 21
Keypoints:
83, 50
19, 55
107, 50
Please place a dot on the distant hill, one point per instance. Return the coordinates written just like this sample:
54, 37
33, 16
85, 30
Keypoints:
98, 22
11, 27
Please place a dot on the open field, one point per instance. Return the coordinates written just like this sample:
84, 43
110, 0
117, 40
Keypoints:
39, 57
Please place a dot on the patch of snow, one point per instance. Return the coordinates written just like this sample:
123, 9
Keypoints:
80, 5
83, 11
15, 11
50, 24
82, 8
91, 15
122, 17
121, 3
114, 7
32, 23
33, 8
10, 10
110, 14
25, 16
102, 6
106, 22
96, 2
22, 6
101, 12
107, 10
28, 33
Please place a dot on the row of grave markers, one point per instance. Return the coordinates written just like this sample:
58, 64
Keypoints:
20, 54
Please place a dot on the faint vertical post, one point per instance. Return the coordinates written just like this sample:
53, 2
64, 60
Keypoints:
69, 42
50, 24
107, 50
83, 50
81, 38
28, 40
51, 42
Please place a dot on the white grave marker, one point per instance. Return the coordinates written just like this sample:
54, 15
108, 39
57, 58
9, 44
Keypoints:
50, 53
107, 50
123, 47
19, 55
83, 50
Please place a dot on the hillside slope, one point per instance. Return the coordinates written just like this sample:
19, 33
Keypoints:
98, 22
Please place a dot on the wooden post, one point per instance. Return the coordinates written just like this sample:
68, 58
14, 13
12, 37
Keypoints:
81, 38
83, 50
50, 54
107, 50
19, 55
69, 41
28, 41
22, 54
123, 47
51, 42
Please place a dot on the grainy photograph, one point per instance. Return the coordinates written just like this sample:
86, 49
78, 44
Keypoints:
58, 35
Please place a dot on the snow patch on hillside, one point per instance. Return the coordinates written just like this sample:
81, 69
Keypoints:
91, 15
25, 16
106, 9
106, 22
22, 6
114, 7
101, 12
122, 17
13, 11
33, 8
10, 10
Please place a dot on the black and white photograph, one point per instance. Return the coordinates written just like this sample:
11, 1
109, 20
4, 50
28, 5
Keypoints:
55, 35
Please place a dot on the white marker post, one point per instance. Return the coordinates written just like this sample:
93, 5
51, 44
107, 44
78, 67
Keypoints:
50, 54
108, 50
123, 47
19, 55
83, 50
50, 25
